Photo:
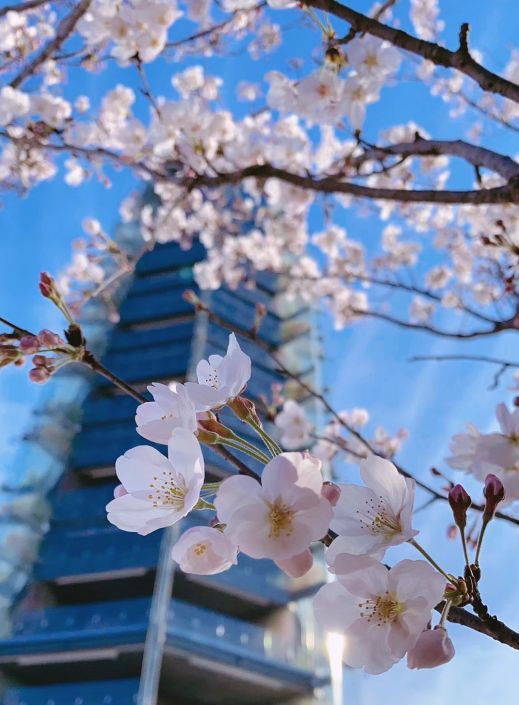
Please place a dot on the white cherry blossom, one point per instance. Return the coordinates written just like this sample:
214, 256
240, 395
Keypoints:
171, 408
220, 379
294, 425
371, 519
280, 517
160, 490
491, 453
203, 550
381, 612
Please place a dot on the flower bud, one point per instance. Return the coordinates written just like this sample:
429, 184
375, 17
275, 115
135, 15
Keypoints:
331, 492
433, 648
214, 426
297, 566
48, 339
39, 361
494, 493
459, 501
46, 285
29, 344
244, 410
40, 375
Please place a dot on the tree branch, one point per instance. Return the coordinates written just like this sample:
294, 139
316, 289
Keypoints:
493, 628
508, 193
460, 59
23, 6
478, 156
64, 30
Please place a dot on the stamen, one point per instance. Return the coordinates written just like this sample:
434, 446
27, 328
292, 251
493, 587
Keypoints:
280, 517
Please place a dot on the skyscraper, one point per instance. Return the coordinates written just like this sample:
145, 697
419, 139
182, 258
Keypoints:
106, 619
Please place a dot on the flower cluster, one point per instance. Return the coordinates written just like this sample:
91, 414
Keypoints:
385, 613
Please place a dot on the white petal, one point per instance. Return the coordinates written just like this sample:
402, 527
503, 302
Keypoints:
335, 609
361, 575
235, 492
185, 455
138, 467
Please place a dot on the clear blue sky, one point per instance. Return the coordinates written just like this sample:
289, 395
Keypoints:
367, 364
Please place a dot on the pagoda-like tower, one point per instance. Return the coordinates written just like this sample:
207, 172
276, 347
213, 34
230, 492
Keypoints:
106, 619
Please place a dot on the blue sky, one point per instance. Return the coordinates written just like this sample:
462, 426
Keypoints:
367, 365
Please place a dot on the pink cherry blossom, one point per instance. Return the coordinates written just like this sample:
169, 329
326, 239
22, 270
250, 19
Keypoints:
171, 408
160, 490
297, 566
280, 517
220, 378
381, 612
204, 550
433, 648
372, 518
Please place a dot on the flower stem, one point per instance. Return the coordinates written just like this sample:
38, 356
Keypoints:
273, 447
247, 448
480, 542
429, 558
445, 613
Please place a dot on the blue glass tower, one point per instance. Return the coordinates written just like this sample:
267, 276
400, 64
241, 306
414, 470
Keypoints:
105, 618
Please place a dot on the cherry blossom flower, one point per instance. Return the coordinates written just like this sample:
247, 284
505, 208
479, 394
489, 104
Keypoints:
281, 517
372, 57
171, 408
491, 453
381, 612
160, 490
433, 648
294, 425
498, 453
203, 550
372, 518
220, 378
464, 447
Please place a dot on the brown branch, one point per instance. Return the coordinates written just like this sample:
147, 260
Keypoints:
460, 59
90, 361
474, 358
493, 628
508, 193
63, 31
478, 156
427, 328
214, 29
23, 6
504, 365
401, 286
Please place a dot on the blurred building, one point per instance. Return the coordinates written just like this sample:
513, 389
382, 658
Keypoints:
105, 619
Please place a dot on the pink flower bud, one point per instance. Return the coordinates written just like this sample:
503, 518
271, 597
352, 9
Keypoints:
29, 344
48, 339
331, 492
119, 491
46, 284
40, 375
39, 361
296, 566
494, 492
433, 648
459, 501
